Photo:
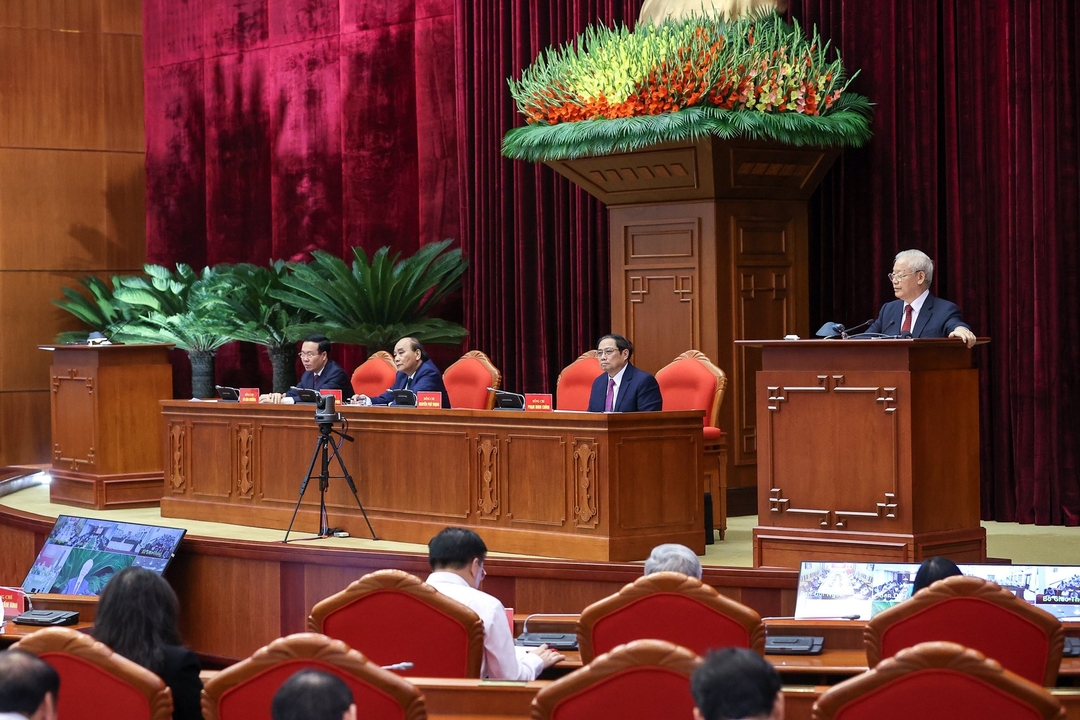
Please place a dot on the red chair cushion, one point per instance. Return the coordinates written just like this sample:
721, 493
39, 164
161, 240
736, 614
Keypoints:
937, 694
671, 617
467, 382
644, 693
688, 385
1017, 644
713, 434
373, 377
251, 699
575, 384
89, 693
390, 627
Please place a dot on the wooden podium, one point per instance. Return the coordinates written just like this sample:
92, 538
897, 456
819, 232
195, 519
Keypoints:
868, 450
106, 424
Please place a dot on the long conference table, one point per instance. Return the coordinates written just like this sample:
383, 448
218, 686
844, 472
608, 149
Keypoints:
584, 486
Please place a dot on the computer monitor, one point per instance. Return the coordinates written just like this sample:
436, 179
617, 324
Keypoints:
228, 394
81, 555
305, 395
509, 401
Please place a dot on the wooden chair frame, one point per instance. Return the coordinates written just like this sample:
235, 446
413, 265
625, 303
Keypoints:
496, 376
316, 648
931, 656
402, 582
668, 582
639, 653
971, 587
65, 641
721, 381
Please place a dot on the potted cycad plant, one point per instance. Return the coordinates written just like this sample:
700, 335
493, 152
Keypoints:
102, 311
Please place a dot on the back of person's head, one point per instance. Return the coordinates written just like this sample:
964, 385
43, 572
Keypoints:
932, 570
455, 548
313, 695
673, 557
25, 681
735, 683
322, 341
137, 616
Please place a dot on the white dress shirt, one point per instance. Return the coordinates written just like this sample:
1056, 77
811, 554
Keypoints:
916, 306
618, 383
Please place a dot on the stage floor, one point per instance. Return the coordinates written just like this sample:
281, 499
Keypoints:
1027, 544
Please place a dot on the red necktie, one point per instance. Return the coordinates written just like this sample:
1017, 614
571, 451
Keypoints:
906, 327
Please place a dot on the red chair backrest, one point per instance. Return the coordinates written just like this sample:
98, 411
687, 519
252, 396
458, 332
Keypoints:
375, 375
692, 382
467, 382
575, 382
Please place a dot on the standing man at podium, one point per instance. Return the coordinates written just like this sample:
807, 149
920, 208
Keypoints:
622, 387
916, 313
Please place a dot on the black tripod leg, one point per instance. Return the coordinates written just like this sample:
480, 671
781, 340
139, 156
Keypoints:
352, 486
324, 483
304, 483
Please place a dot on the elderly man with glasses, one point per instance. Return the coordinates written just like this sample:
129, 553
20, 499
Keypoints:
320, 372
916, 313
622, 387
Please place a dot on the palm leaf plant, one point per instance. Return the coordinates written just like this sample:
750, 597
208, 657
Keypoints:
240, 302
374, 303
173, 309
101, 310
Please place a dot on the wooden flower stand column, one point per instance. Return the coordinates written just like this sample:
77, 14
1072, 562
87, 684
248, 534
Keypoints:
708, 246
106, 424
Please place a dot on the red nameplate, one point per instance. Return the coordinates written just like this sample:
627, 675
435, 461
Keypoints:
335, 393
249, 395
429, 399
13, 601
538, 402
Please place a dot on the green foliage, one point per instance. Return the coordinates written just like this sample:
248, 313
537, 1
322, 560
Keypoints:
102, 311
374, 303
240, 302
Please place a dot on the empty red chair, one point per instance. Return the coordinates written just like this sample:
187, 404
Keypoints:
375, 375
575, 382
467, 382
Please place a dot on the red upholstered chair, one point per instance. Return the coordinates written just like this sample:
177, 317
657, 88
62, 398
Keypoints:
244, 691
467, 382
574, 385
392, 616
692, 382
978, 614
95, 682
643, 679
673, 607
937, 681
375, 375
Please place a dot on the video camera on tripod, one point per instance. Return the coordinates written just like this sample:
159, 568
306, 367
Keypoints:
325, 411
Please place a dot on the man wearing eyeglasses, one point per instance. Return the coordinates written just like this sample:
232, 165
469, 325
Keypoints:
622, 387
916, 313
320, 372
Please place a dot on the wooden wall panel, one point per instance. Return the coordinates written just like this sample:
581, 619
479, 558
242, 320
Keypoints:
121, 58
24, 427
83, 16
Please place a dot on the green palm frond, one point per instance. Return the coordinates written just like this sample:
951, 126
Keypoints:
238, 300
101, 310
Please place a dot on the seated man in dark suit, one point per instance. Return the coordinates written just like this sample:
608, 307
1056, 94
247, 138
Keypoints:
622, 387
320, 372
916, 313
736, 684
416, 372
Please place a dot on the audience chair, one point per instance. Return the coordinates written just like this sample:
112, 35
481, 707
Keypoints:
978, 614
467, 382
673, 607
245, 691
392, 616
575, 382
644, 679
95, 682
375, 375
692, 382
937, 681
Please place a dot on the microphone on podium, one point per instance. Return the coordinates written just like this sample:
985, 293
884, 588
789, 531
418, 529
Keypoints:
398, 667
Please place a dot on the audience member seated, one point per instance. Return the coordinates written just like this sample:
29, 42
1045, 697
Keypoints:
932, 570
416, 372
320, 372
313, 695
736, 684
673, 557
28, 687
456, 556
137, 618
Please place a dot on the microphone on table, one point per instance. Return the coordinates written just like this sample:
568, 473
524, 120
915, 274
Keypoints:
519, 396
398, 667
848, 332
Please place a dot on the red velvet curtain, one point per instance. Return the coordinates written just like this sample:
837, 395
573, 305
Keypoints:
974, 160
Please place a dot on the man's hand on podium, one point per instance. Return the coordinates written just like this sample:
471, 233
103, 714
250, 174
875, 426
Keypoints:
964, 334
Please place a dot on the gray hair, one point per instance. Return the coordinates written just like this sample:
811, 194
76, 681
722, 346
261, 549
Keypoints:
918, 261
672, 557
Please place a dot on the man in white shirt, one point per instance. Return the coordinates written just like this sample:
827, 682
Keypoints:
456, 556
28, 687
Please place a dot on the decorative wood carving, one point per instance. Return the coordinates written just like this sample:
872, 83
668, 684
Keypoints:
585, 472
244, 476
487, 495
177, 444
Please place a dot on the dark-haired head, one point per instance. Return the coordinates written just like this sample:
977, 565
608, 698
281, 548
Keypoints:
621, 343
932, 570
322, 341
137, 616
735, 683
454, 548
26, 684
313, 695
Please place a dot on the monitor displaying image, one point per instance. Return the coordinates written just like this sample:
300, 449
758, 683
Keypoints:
81, 555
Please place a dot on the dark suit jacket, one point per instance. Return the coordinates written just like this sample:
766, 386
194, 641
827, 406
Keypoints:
638, 392
332, 377
937, 319
181, 673
426, 379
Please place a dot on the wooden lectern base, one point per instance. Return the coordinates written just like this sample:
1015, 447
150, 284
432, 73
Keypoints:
789, 547
106, 492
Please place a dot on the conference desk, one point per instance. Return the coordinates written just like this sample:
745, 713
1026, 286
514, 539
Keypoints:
584, 486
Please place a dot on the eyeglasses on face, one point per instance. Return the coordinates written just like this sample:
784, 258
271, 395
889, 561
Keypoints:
307, 355
897, 277
606, 352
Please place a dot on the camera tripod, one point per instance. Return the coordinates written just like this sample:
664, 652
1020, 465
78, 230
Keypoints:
322, 448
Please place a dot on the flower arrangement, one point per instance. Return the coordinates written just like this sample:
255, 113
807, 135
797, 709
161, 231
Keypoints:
617, 90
